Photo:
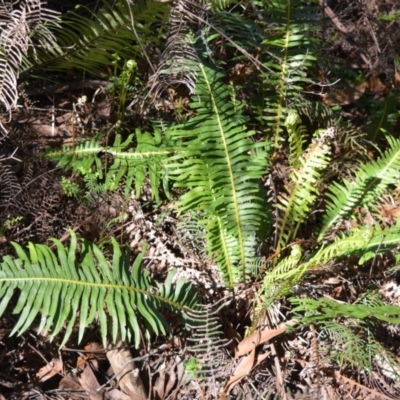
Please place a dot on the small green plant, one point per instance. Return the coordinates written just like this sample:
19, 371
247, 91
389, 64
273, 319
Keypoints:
70, 188
123, 83
193, 369
9, 223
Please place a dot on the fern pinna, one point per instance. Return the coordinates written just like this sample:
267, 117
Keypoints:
62, 286
220, 166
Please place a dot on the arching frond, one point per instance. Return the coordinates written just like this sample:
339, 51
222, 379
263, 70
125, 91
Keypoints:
370, 181
129, 164
89, 43
221, 173
61, 286
365, 243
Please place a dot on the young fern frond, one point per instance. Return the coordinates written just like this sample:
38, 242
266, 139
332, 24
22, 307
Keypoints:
371, 180
364, 243
302, 189
62, 286
129, 164
281, 278
221, 172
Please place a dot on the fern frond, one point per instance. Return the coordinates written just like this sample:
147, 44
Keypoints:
364, 243
289, 46
352, 341
297, 138
344, 343
326, 309
281, 278
89, 43
302, 189
18, 28
221, 174
129, 164
62, 286
207, 342
371, 180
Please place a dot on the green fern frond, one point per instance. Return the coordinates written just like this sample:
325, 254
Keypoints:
352, 341
289, 45
365, 243
282, 277
219, 169
345, 344
371, 180
89, 43
326, 309
302, 189
129, 164
62, 286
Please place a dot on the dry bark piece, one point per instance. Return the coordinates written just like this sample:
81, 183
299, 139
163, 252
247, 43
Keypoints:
127, 374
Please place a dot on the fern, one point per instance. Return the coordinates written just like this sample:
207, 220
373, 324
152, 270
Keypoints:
89, 43
61, 286
371, 180
221, 174
302, 189
350, 328
19, 29
364, 243
289, 46
326, 309
129, 165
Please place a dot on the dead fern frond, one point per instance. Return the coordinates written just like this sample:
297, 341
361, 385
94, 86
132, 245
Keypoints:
176, 61
19, 24
208, 344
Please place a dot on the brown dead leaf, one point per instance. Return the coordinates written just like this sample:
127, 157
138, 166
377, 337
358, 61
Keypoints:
243, 368
70, 384
54, 367
172, 378
372, 85
86, 363
390, 212
89, 383
251, 342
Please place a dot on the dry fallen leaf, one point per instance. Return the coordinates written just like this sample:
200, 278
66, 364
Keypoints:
251, 342
243, 368
54, 367
90, 383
